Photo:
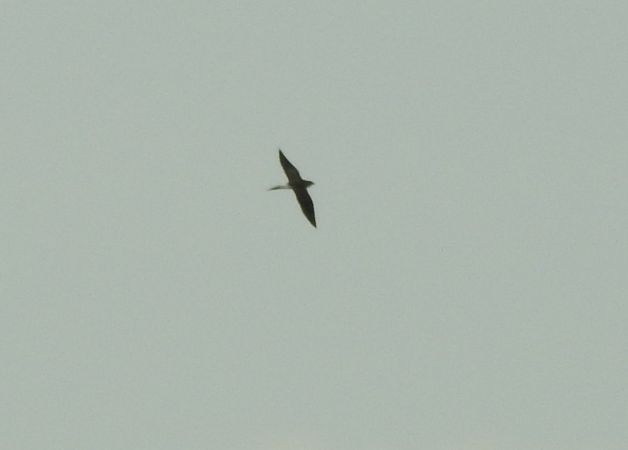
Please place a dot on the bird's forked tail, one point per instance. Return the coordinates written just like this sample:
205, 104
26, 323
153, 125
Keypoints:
279, 187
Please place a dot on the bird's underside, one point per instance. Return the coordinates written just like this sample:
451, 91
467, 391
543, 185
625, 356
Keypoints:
299, 187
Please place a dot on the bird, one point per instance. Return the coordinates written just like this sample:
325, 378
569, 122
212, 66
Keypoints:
299, 187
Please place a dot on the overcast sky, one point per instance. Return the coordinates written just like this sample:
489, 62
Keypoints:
466, 287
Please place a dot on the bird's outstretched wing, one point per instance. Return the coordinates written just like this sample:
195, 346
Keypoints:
291, 172
307, 206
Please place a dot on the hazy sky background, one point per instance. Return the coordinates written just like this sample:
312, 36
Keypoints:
466, 287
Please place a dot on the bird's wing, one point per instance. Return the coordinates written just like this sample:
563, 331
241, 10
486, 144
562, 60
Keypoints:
307, 206
291, 172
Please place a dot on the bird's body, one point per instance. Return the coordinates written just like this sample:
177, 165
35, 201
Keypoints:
299, 186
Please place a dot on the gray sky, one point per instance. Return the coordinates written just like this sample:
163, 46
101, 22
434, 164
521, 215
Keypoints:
465, 289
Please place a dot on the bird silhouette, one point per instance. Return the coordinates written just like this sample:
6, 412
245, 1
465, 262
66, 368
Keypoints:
299, 187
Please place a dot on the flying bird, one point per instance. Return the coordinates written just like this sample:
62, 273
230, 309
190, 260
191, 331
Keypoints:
299, 187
